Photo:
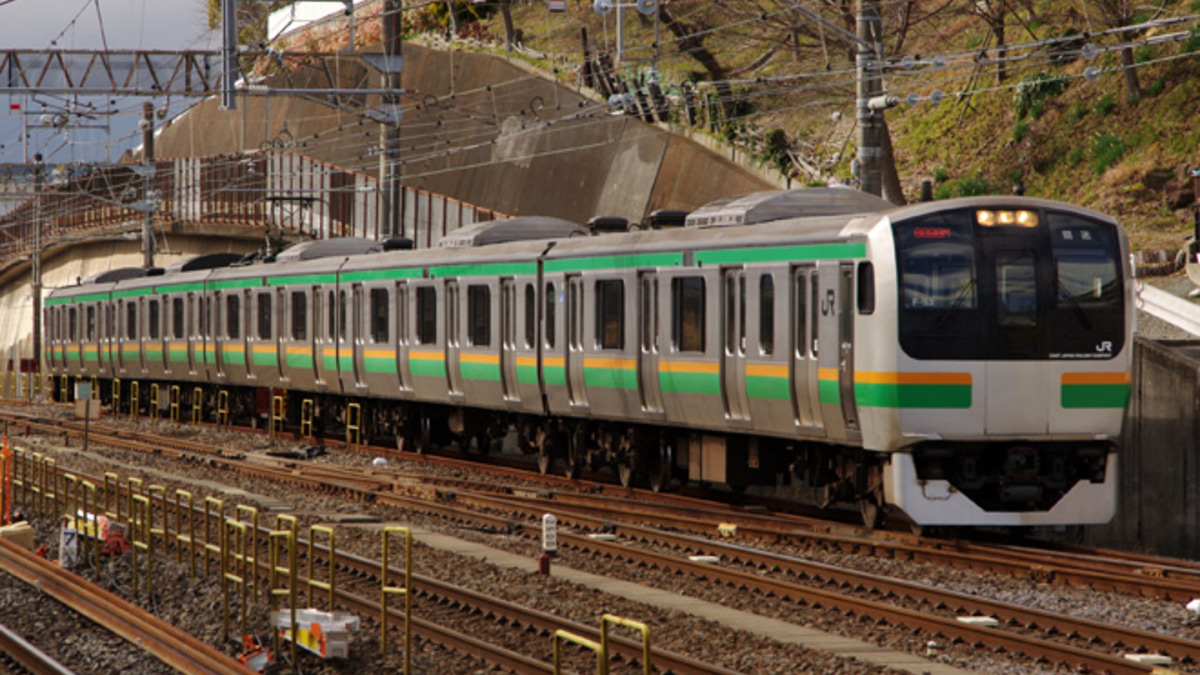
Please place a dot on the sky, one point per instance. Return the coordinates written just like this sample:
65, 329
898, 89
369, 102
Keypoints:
76, 24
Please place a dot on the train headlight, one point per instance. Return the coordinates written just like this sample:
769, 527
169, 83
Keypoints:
1021, 218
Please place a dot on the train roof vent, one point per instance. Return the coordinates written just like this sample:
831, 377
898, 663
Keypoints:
210, 261
763, 207
666, 218
119, 274
328, 248
524, 228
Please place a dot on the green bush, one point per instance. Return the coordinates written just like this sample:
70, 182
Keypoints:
1020, 131
940, 175
1036, 88
1106, 151
1191, 44
1106, 104
1075, 157
1078, 110
1156, 87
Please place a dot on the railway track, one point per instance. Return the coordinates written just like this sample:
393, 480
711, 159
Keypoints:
20, 653
174, 647
593, 512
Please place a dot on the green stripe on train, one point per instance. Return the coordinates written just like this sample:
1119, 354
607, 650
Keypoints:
299, 361
265, 358
615, 262
828, 391
873, 395
555, 375
379, 364
774, 388
527, 375
610, 378
489, 372
782, 254
689, 383
427, 368
1095, 395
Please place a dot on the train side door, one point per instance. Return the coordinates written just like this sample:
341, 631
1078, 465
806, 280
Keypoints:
508, 340
575, 316
403, 371
453, 339
834, 374
806, 313
648, 328
192, 324
248, 328
733, 355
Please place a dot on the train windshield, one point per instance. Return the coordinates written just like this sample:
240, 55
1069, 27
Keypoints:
1009, 285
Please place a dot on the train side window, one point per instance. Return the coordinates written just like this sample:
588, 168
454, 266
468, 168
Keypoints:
110, 321
479, 315
402, 313
766, 313
426, 315
341, 314
380, 315
153, 319
264, 316
233, 314
73, 324
331, 312
801, 314
551, 319
177, 316
90, 323
687, 314
530, 316
866, 288
131, 320
300, 315
610, 314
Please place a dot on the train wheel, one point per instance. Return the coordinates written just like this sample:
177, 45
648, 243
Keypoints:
871, 512
424, 435
661, 461
576, 451
627, 467
544, 460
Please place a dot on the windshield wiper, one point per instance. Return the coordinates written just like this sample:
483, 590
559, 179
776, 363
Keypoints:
1079, 310
958, 300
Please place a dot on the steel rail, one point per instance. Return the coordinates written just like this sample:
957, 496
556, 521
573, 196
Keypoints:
169, 644
27, 656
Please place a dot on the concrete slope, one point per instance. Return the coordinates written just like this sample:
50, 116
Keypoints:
483, 130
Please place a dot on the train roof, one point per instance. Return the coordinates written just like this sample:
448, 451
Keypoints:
524, 228
762, 207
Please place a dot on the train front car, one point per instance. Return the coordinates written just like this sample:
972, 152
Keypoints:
1002, 398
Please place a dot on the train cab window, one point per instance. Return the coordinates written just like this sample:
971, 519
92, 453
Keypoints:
610, 314
1016, 288
264, 316
299, 315
233, 314
73, 325
426, 315
530, 316
866, 288
177, 318
380, 315
90, 323
687, 314
131, 321
551, 319
766, 314
153, 319
479, 315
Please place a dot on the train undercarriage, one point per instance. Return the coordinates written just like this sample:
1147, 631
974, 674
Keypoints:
1013, 477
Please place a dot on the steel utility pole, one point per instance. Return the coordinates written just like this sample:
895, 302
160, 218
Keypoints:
389, 124
870, 89
35, 277
148, 170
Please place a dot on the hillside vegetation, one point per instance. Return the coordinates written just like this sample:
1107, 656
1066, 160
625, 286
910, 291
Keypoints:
772, 80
